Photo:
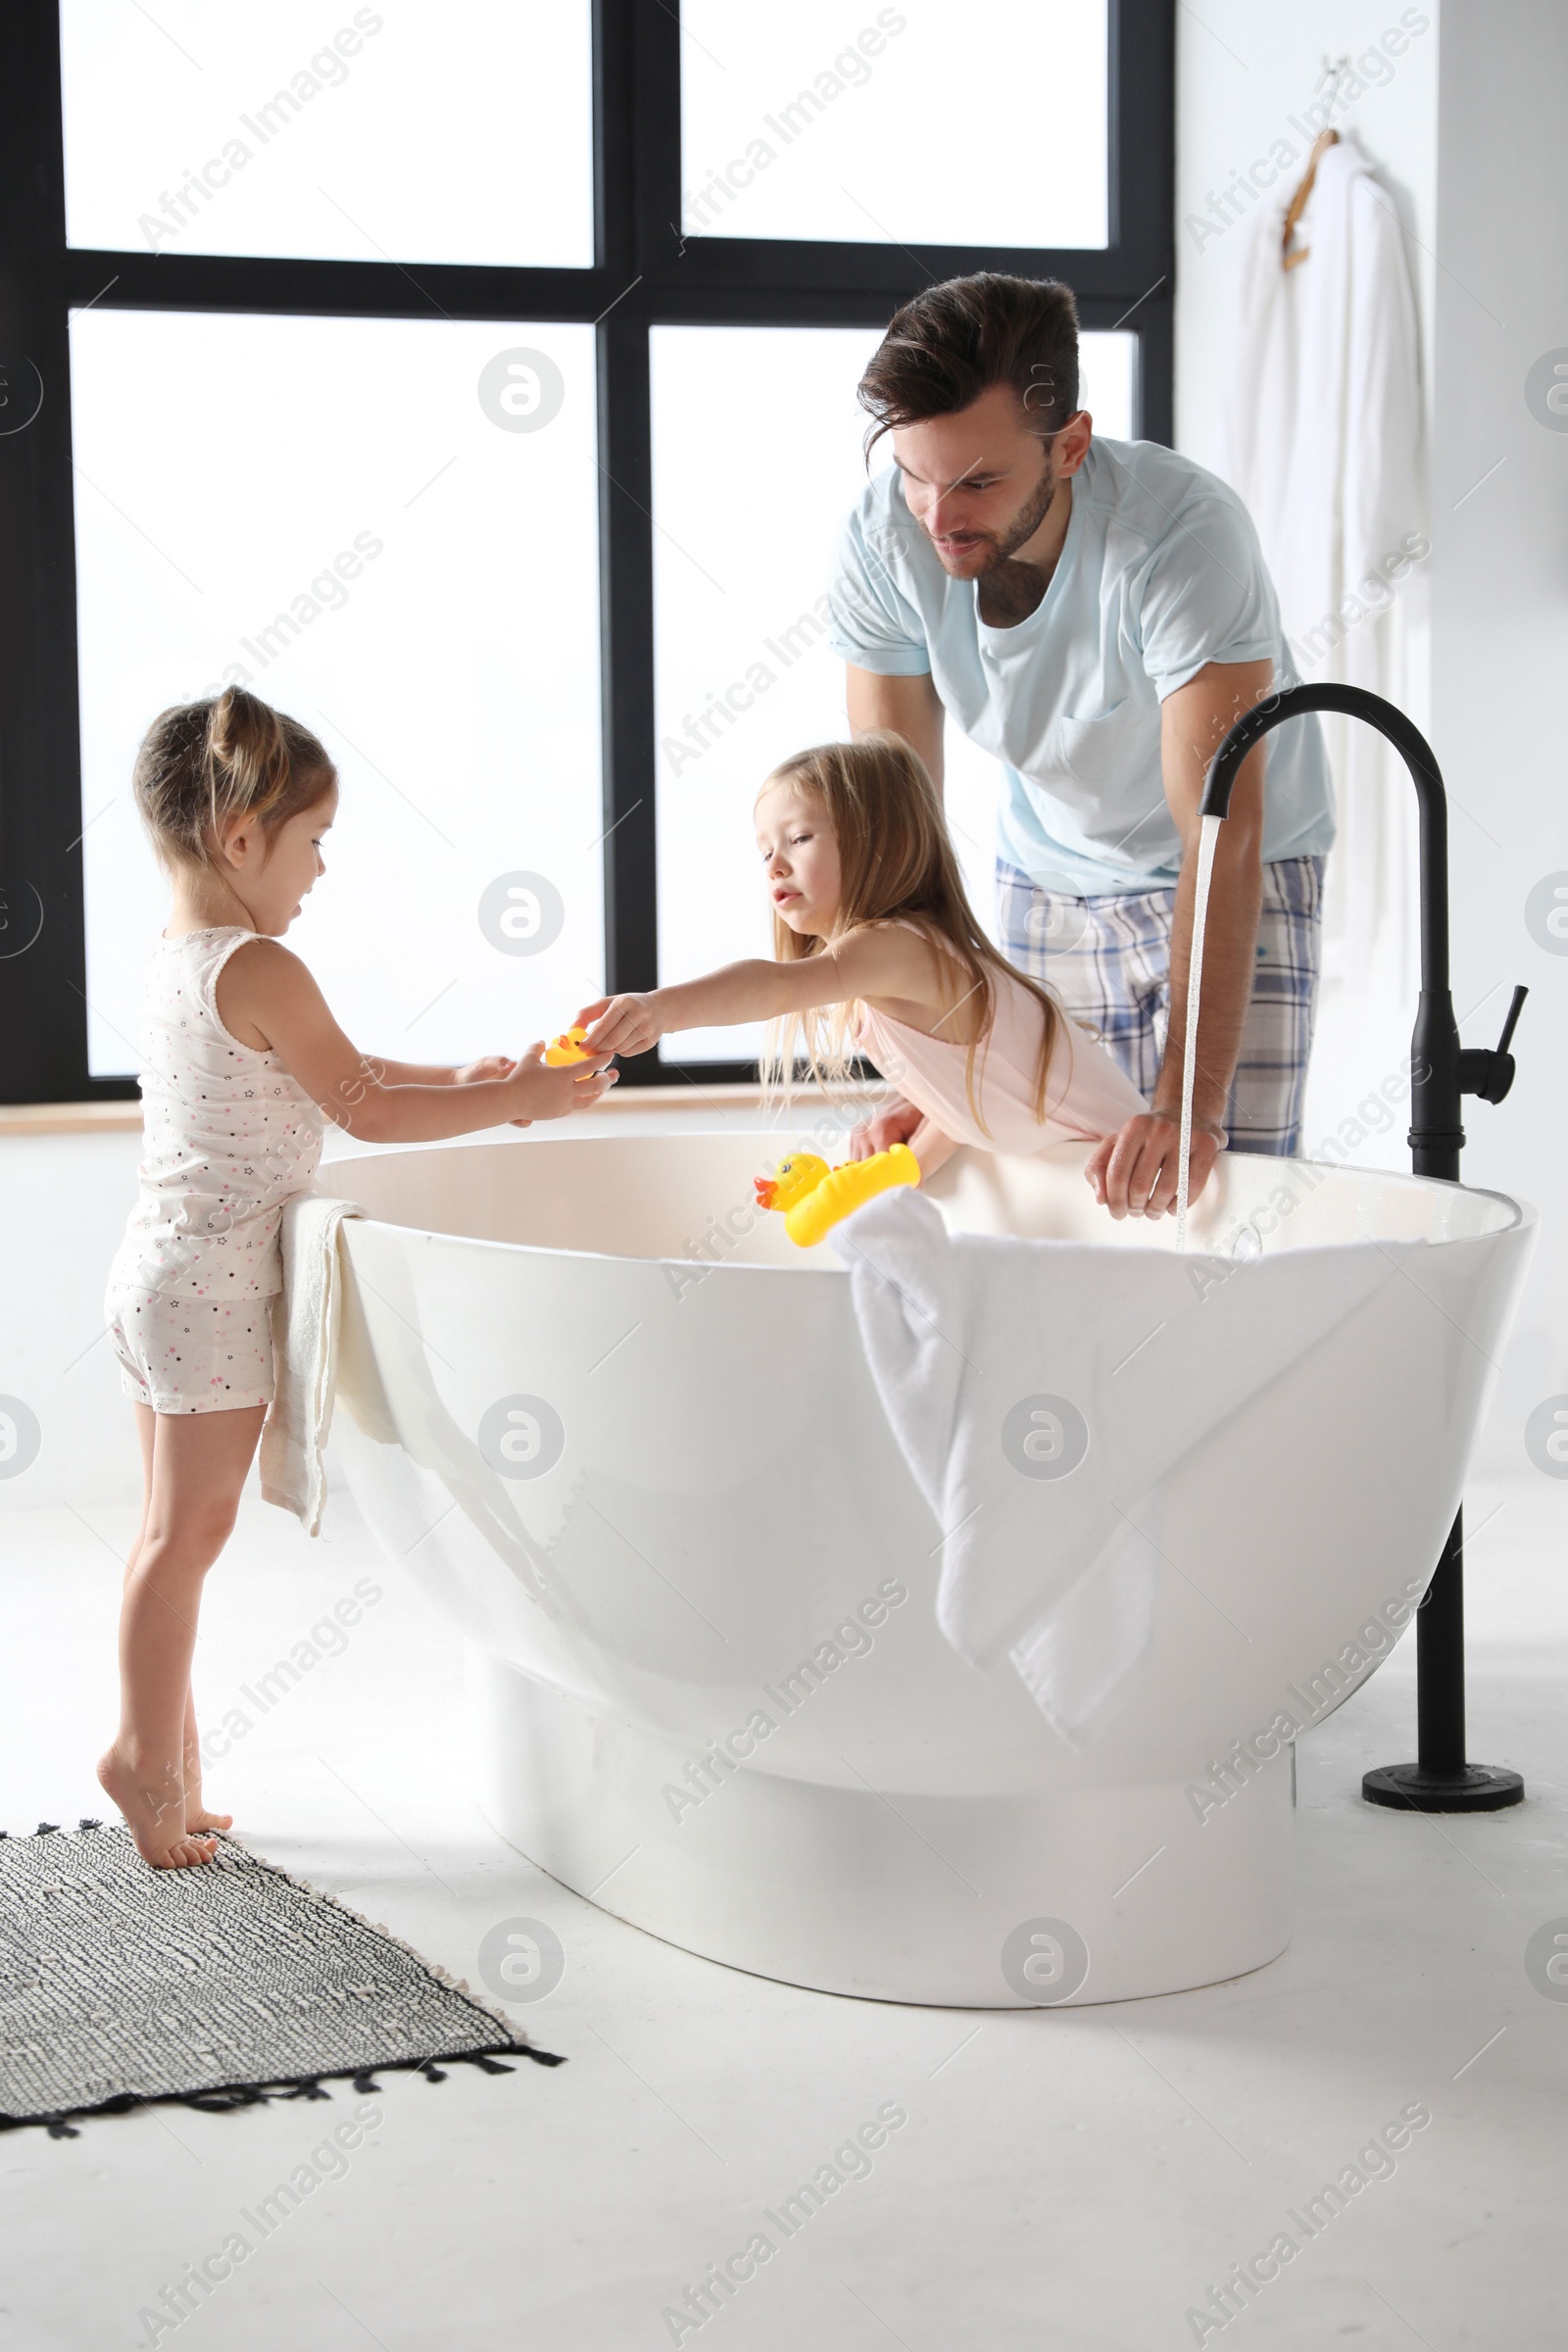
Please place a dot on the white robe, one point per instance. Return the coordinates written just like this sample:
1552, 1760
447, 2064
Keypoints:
1324, 441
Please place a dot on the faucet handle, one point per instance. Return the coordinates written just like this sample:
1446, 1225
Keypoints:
1512, 1022
1487, 1071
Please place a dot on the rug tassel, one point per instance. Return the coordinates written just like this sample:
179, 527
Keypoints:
310, 2088
86, 1824
44, 1827
59, 2129
541, 2057
489, 2066
431, 2072
365, 2082
225, 2096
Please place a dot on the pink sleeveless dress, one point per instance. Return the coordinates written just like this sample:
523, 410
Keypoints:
1088, 1095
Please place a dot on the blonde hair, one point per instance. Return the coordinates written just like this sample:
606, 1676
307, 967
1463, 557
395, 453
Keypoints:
201, 765
896, 864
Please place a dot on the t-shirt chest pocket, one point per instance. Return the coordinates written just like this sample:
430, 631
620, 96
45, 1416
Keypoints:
1112, 748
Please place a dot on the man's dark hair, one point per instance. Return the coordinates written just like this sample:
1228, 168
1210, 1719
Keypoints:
955, 340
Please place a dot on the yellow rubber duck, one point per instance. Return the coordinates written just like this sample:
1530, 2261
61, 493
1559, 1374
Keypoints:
815, 1197
566, 1047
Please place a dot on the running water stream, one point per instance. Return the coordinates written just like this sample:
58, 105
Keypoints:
1207, 841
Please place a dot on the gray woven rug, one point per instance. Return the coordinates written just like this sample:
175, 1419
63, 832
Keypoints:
220, 1986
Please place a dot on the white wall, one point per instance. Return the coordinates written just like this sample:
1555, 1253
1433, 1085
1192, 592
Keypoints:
1248, 80
1242, 74
64, 1202
1467, 130
1500, 599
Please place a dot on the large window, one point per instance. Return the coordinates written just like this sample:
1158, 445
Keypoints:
292, 523
415, 129
746, 520
476, 381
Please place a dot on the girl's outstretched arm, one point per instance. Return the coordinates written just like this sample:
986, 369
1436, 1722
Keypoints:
880, 960
268, 1000
442, 1073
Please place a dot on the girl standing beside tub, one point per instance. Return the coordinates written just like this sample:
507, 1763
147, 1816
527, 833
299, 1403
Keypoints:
244, 1066
878, 949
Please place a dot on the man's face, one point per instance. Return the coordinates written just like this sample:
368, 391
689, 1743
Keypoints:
980, 482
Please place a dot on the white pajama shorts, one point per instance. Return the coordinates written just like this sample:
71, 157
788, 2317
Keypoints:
192, 1355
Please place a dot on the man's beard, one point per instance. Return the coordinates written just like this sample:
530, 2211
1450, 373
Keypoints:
1002, 548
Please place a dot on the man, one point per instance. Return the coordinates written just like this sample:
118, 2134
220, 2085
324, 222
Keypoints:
1096, 614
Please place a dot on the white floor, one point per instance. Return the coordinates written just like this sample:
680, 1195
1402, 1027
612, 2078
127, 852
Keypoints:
1077, 2178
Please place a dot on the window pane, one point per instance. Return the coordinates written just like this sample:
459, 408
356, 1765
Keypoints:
413, 577
927, 126
743, 556
398, 133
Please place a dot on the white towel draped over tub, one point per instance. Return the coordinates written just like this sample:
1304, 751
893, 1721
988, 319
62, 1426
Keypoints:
305, 1320
962, 1331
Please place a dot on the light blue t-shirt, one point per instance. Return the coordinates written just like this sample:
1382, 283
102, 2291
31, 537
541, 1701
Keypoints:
1159, 573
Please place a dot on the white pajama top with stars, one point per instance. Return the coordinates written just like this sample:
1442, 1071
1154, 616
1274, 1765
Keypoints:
228, 1136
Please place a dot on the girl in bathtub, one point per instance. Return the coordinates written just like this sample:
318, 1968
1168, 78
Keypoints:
877, 949
243, 1068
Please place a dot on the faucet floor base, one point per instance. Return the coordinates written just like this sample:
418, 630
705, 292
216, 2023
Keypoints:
1473, 1789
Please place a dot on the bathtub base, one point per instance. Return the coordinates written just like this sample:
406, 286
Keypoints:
957, 1901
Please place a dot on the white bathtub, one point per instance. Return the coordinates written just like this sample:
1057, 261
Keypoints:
711, 1492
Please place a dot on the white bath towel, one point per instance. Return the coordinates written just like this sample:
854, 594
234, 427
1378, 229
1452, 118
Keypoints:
304, 1336
997, 1360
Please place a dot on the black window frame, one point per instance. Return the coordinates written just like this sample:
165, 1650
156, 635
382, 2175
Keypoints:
645, 274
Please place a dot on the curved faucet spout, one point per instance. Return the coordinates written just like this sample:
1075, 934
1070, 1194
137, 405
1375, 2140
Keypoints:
1441, 1075
1413, 748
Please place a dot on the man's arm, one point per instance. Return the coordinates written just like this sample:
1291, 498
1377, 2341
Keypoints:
1137, 1171
909, 706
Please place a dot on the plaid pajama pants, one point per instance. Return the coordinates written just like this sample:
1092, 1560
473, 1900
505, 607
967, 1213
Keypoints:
1108, 960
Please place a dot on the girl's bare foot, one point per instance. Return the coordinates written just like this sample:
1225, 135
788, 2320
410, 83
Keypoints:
152, 1799
197, 1816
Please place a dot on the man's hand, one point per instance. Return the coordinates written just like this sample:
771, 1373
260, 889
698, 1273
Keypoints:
895, 1125
1136, 1172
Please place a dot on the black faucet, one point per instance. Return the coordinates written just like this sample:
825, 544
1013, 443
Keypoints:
1441, 1074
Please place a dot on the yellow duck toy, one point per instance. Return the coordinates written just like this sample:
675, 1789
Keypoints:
566, 1047
815, 1197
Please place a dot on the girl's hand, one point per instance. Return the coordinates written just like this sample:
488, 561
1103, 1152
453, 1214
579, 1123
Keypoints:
541, 1092
900, 1123
620, 1024
489, 1066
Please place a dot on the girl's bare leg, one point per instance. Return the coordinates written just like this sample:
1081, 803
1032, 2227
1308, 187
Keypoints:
194, 1466
196, 1812
197, 1817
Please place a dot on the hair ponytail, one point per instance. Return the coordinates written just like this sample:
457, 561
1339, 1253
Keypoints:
202, 765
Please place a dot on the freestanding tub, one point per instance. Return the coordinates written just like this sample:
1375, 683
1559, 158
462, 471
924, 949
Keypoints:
624, 1433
